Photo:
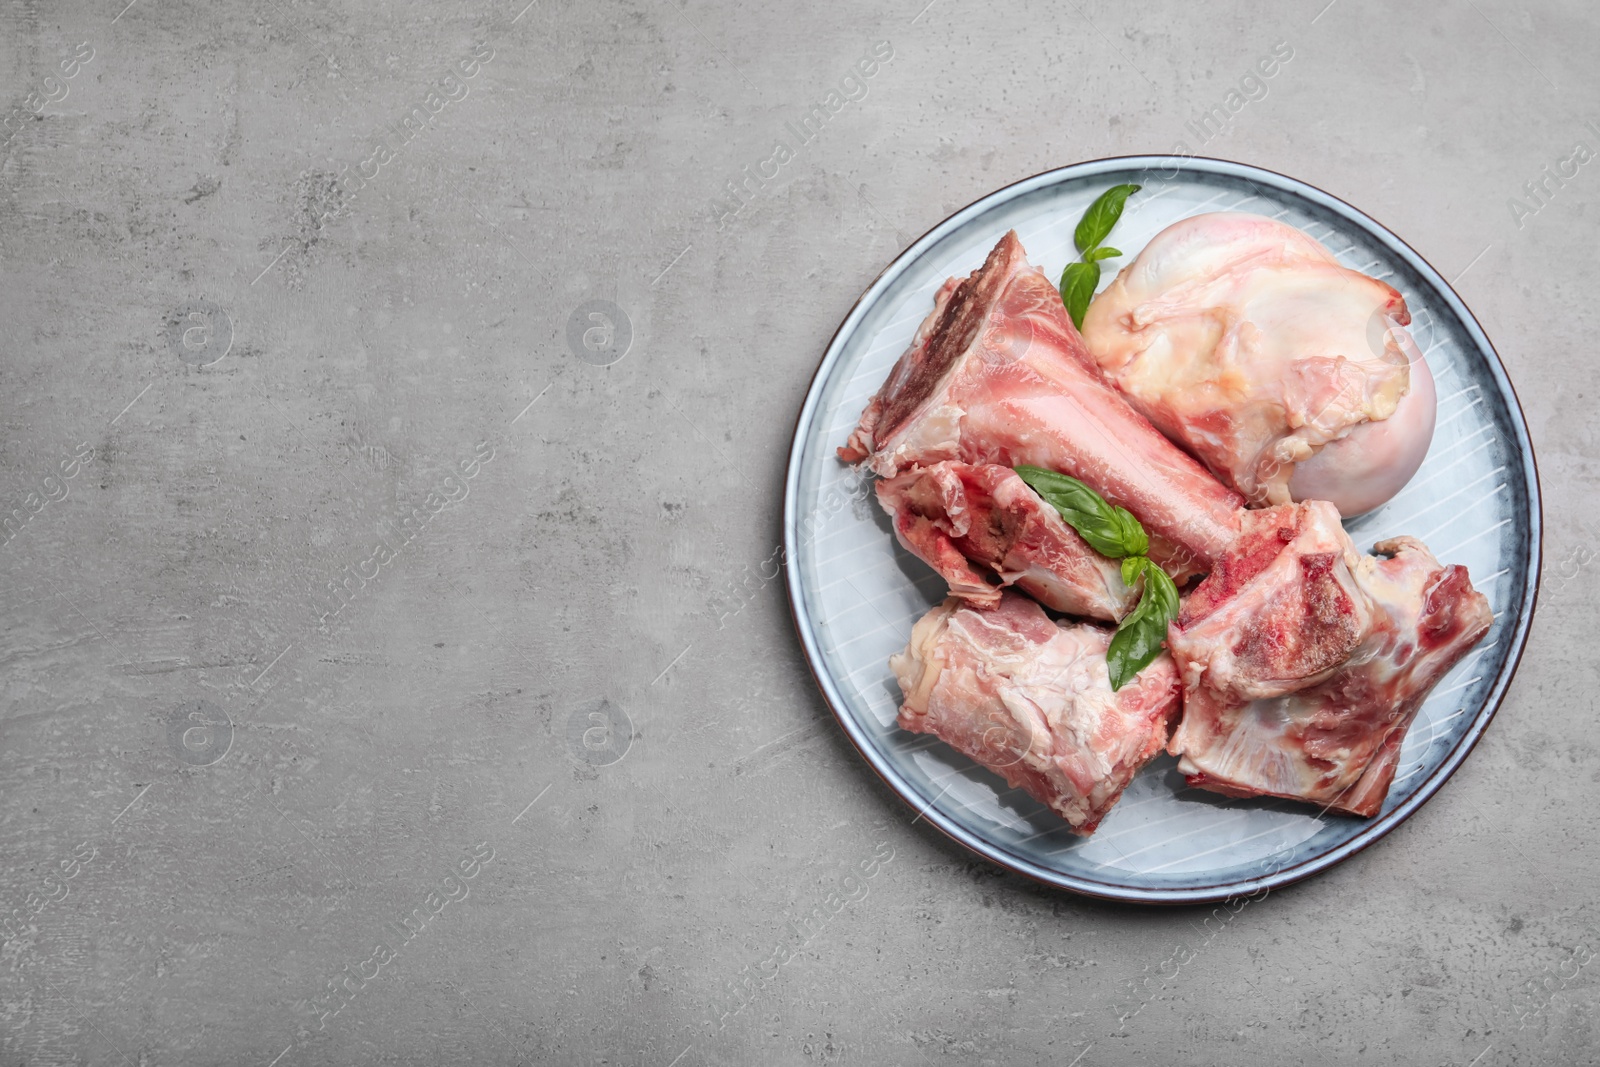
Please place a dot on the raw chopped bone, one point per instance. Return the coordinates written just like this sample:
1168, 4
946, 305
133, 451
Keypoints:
1304, 662
1243, 339
998, 374
1031, 700
983, 528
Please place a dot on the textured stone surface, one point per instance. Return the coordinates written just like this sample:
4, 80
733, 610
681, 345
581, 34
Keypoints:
359, 339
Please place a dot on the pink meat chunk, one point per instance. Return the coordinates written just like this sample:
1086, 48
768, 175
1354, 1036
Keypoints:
1031, 700
1304, 661
983, 528
997, 374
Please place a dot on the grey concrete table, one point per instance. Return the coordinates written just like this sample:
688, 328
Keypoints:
393, 674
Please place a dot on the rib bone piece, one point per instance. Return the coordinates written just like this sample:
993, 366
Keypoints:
1304, 662
1031, 700
983, 527
998, 374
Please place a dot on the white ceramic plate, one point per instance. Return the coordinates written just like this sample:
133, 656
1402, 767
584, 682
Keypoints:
855, 592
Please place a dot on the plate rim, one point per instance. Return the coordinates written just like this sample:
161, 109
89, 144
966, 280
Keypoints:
992, 851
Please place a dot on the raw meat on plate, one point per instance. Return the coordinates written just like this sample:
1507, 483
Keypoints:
1301, 662
997, 374
1304, 662
1287, 374
1031, 700
983, 528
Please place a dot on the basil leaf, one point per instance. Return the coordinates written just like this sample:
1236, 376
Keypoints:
1116, 534
1159, 584
1131, 533
1078, 283
1138, 638
1109, 530
1096, 224
1101, 253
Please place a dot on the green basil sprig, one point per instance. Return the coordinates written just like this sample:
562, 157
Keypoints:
1116, 534
1111, 531
1139, 635
1078, 283
1079, 280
